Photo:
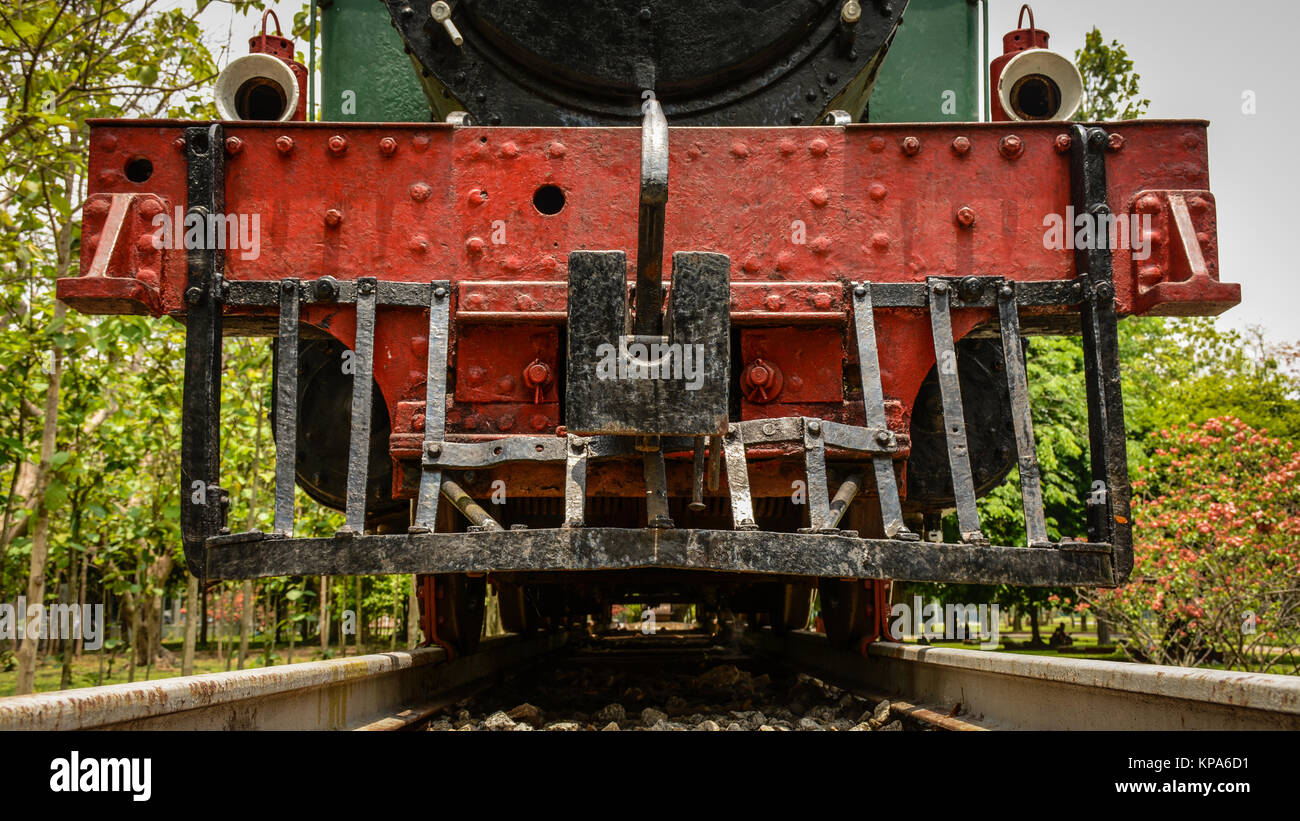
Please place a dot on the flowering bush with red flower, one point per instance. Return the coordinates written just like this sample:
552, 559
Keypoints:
1216, 574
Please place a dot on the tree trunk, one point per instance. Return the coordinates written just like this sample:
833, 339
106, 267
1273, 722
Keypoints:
323, 618
343, 616
135, 627
81, 597
203, 620
245, 621
70, 642
293, 629
221, 645
412, 617
191, 624
361, 621
1020, 615
41, 532
153, 631
1103, 631
1035, 639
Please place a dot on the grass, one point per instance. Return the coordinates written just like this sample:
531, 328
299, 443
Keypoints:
85, 670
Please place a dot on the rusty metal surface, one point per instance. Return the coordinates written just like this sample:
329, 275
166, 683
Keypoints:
799, 211
744, 550
1016, 692
338, 694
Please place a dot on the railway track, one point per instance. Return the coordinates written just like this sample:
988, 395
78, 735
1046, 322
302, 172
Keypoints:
926, 688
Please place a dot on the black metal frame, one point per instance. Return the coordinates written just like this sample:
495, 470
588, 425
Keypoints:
821, 550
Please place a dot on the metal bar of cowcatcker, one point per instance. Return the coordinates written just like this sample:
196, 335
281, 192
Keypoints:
656, 489
873, 400
954, 417
575, 481
1109, 518
286, 407
742, 505
202, 499
1031, 487
814, 454
435, 407
362, 375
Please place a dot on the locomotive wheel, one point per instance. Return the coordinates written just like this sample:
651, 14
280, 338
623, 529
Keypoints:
518, 613
458, 610
848, 612
790, 607
981, 373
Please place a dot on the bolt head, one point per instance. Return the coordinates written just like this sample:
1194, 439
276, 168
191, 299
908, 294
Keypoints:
333, 217
338, 144
1063, 143
1115, 142
537, 374
1006, 292
965, 216
961, 146
432, 448
911, 146
941, 287
284, 143
326, 288
440, 292
234, 145
814, 425
883, 437
387, 146
193, 295
1011, 146
859, 291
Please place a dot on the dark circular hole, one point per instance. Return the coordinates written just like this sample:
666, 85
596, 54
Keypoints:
260, 98
549, 199
199, 142
1036, 97
139, 169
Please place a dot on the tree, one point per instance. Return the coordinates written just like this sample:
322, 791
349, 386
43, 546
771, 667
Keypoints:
1216, 568
65, 63
1110, 85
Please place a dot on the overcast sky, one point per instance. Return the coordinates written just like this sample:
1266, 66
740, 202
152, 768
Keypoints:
1195, 58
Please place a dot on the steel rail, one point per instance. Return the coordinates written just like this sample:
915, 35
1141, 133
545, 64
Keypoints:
972, 689
383, 691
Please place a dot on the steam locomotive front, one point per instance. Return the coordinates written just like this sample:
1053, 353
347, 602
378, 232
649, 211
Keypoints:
744, 349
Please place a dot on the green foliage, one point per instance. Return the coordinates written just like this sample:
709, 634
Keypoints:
1110, 85
1217, 508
